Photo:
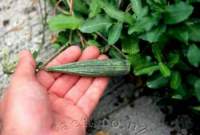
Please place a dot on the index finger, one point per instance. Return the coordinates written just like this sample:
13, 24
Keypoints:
69, 55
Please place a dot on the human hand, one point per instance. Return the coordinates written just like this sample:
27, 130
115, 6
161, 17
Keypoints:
51, 103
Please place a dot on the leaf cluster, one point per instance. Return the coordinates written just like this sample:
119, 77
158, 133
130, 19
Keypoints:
160, 38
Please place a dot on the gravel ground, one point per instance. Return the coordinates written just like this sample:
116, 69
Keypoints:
21, 28
117, 114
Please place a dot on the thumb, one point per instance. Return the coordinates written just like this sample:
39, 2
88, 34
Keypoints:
26, 65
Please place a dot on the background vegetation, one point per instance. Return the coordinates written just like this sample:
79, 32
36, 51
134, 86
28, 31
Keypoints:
160, 38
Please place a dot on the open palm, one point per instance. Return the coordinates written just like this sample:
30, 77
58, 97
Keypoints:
51, 103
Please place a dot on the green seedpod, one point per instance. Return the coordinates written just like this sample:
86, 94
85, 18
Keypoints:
109, 67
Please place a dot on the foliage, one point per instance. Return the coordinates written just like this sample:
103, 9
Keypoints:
160, 38
8, 62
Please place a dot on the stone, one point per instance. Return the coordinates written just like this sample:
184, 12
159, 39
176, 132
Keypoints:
21, 28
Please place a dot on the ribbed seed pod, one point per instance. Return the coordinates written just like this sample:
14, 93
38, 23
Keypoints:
109, 67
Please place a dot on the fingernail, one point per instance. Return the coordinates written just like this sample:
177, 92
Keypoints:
23, 54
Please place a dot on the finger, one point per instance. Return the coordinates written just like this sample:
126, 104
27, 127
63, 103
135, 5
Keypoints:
65, 82
1, 109
26, 66
69, 55
78, 90
90, 99
91, 52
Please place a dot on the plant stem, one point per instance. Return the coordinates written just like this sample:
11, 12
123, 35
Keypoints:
117, 49
82, 40
113, 46
70, 37
100, 35
119, 3
56, 5
71, 6
128, 8
52, 57
62, 10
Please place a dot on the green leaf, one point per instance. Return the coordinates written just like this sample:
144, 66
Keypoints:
80, 6
157, 52
52, 2
156, 5
97, 24
175, 82
62, 22
64, 2
137, 60
93, 42
130, 45
194, 30
136, 6
144, 24
153, 35
157, 82
61, 38
183, 66
193, 55
117, 14
56, 46
193, 1
148, 70
95, 8
35, 54
177, 97
75, 39
115, 54
140, 62
164, 69
114, 33
173, 59
197, 89
196, 108
191, 79
142, 65
177, 13
138, 9
180, 33
181, 92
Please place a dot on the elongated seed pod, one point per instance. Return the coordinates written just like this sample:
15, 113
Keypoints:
109, 67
